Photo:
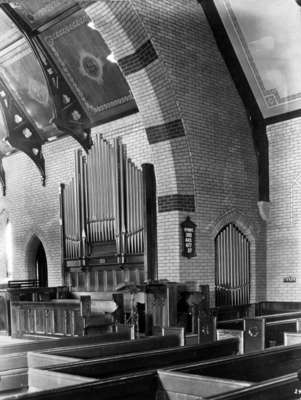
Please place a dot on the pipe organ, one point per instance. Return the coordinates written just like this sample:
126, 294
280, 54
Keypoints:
232, 263
102, 214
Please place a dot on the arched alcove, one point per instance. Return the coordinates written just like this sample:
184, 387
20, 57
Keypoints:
36, 261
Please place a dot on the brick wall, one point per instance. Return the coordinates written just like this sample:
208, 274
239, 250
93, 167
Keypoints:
284, 225
34, 209
219, 139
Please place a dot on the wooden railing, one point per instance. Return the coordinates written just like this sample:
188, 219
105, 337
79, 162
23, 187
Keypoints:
55, 318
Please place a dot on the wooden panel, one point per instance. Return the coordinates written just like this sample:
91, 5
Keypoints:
38, 360
44, 380
13, 361
222, 334
66, 318
104, 278
4, 312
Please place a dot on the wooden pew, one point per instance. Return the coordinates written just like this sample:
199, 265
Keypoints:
63, 342
135, 387
15, 356
287, 387
95, 351
253, 367
291, 338
24, 381
262, 331
148, 360
131, 386
246, 376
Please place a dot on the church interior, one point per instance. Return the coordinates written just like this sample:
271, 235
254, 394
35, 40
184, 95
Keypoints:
150, 191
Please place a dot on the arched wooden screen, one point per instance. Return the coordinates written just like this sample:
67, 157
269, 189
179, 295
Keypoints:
232, 267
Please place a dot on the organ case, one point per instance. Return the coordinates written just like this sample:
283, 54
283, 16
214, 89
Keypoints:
102, 219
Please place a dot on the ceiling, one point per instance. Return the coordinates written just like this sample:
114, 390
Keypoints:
266, 37
56, 77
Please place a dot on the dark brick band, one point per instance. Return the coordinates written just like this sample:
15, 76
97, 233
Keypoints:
145, 55
170, 130
176, 202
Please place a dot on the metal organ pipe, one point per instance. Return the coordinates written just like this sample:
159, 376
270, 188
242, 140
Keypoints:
232, 259
103, 202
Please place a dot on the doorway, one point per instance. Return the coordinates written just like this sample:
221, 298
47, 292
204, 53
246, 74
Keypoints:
41, 266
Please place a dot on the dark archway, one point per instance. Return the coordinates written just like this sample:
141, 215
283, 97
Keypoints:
41, 266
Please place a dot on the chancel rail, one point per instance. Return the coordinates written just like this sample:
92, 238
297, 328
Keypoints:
102, 217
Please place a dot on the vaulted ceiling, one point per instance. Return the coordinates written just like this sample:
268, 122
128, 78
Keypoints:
57, 77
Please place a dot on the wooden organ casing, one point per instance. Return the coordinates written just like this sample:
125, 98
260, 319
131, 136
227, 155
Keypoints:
102, 214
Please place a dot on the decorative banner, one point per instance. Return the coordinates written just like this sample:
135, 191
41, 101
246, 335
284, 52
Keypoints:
188, 233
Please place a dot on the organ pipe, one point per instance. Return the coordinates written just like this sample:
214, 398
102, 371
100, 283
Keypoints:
232, 255
103, 202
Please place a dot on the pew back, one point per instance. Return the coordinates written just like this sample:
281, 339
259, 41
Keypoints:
116, 348
149, 360
253, 367
63, 342
175, 386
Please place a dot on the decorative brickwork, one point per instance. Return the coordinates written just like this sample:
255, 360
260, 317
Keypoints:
166, 131
176, 202
143, 56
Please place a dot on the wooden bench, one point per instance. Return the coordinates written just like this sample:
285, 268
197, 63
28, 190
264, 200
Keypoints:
148, 360
291, 338
27, 381
246, 370
132, 384
14, 356
96, 351
260, 332
286, 387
